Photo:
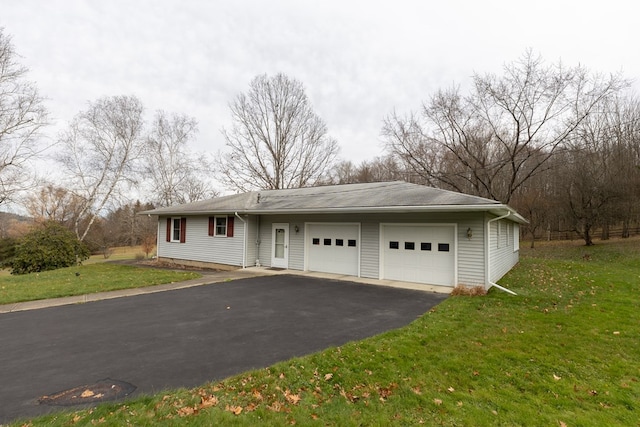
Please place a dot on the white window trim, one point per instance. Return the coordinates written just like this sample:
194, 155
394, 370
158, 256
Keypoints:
215, 226
173, 222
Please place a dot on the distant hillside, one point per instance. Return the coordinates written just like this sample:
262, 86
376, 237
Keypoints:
6, 216
14, 225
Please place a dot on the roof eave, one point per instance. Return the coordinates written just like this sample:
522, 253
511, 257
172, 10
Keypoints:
496, 209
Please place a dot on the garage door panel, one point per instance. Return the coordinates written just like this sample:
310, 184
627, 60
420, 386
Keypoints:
419, 253
334, 248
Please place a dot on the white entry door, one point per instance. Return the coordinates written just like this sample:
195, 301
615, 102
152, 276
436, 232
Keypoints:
280, 246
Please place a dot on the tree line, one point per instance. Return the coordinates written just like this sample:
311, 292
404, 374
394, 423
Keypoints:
559, 144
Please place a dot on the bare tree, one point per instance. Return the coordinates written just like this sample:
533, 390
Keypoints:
503, 133
379, 169
601, 176
22, 116
99, 156
277, 140
175, 172
53, 203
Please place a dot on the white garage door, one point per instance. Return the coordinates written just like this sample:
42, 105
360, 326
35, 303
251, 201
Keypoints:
333, 248
419, 253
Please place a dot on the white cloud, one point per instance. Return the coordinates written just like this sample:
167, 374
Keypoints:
359, 60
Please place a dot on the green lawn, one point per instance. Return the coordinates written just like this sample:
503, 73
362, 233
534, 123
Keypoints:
92, 278
564, 352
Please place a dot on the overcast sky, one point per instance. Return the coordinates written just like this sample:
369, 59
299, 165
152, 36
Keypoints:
358, 60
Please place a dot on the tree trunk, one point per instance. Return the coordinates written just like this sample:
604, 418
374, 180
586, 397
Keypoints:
587, 235
625, 229
605, 231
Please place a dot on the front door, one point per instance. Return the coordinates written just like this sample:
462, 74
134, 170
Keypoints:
280, 246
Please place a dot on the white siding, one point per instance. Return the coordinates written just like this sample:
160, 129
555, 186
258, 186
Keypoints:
296, 240
252, 236
370, 250
471, 257
502, 251
199, 246
471, 252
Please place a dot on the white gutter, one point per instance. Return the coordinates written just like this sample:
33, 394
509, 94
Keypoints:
368, 209
488, 249
244, 241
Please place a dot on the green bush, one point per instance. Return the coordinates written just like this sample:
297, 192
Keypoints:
47, 248
7, 251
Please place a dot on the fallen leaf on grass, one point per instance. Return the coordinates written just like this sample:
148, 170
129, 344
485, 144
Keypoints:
207, 402
557, 378
292, 398
186, 411
438, 402
275, 406
327, 377
236, 410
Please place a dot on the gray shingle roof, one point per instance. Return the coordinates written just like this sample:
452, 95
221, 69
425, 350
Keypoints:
384, 196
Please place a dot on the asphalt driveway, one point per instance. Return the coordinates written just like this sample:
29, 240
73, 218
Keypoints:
184, 338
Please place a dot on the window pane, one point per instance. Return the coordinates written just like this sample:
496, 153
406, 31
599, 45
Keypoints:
327, 242
409, 246
352, 243
279, 243
316, 241
425, 246
221, 226
339, 242
176, 229
443, 247
394, 245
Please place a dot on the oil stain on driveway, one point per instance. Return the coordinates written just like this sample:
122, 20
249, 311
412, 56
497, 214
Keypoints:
184, 338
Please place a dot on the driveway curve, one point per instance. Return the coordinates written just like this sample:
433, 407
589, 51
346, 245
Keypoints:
186, 337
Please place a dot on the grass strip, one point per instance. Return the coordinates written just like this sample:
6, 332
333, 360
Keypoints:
564, 352
85, 279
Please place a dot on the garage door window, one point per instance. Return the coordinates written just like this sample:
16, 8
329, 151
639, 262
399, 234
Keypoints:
394, 245
316, 241
339, 242
425, 246
351, 243
327, 242
409, 246
443, 247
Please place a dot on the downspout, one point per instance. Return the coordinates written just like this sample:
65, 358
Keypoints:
488, 246
157, 237
244, 241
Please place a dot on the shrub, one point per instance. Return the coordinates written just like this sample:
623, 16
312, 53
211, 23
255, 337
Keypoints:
7, 251
475, 291
47, 248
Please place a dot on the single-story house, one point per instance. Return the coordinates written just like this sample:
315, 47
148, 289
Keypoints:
385, 230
